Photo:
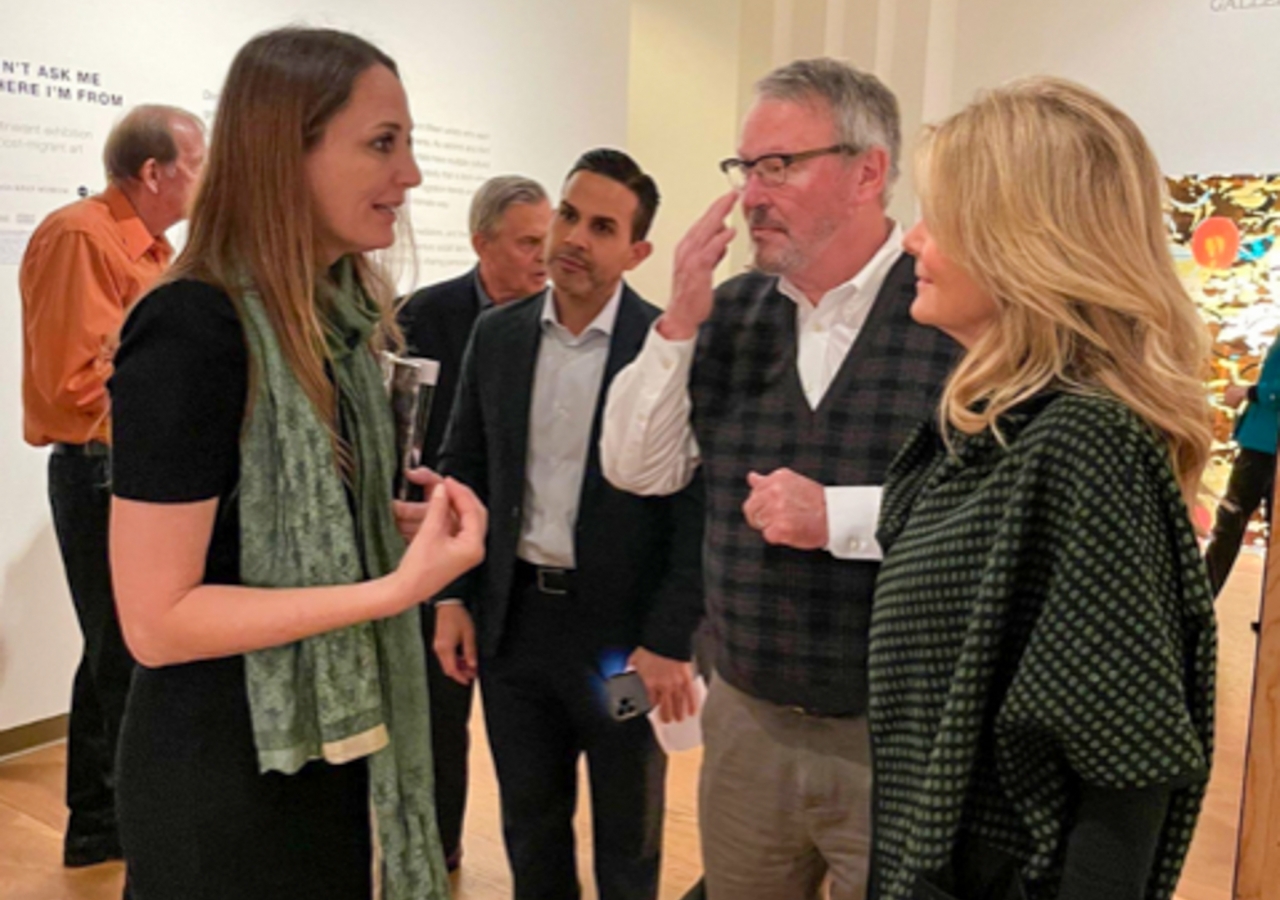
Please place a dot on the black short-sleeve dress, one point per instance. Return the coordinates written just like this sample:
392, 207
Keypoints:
197, 819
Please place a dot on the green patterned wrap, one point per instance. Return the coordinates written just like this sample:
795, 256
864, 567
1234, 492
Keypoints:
1042, 619
357, 691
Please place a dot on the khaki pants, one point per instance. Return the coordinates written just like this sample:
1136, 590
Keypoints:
784, 801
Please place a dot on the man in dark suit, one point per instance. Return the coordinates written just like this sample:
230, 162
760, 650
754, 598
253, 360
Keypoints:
579, 577
509, 218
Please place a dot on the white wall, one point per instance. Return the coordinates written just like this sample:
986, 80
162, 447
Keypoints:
534, 83
1197, 75
683, 116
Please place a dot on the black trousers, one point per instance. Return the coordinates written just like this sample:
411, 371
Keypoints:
1249, 486
544, 707
450, 743
79, 492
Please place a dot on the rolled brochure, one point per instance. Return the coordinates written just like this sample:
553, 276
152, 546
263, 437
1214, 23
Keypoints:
411, 383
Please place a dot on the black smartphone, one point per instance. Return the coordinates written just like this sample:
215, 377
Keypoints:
627, 696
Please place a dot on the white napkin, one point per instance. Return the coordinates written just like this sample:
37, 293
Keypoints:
675, 737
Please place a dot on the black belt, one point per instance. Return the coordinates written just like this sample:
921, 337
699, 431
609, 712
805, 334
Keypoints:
811, 713
548, 580
93, 448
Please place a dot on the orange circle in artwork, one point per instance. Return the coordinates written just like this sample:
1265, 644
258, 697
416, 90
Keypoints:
1216, 243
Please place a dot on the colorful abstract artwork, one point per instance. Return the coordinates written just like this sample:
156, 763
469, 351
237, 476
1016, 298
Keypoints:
1224, 230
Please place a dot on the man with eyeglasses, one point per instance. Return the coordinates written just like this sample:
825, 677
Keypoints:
792, 387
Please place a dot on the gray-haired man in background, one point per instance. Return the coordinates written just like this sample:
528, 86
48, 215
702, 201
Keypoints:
510, 216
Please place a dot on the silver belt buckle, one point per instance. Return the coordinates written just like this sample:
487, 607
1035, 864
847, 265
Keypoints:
545, 588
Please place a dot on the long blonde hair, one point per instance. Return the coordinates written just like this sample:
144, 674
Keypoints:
1050, 198
252, 217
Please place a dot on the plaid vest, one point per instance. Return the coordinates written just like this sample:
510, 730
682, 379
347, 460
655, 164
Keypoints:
790, 626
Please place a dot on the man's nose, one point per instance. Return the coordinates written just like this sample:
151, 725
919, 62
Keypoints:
754, 192
577, 235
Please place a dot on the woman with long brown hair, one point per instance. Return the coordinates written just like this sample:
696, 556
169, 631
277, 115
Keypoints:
274, 736
1042, 640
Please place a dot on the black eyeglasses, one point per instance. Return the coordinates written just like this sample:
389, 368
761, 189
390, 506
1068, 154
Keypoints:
772, 168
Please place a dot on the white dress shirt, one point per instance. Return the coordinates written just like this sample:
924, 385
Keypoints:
647, 445
566, 385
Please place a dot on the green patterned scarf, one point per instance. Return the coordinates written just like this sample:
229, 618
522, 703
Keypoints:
358, 691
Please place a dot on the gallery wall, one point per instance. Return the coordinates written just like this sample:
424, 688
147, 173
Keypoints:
494, 85
682, 115
1195, 74
501, 85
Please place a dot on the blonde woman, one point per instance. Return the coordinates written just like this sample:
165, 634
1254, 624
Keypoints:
281, 707
1042, 643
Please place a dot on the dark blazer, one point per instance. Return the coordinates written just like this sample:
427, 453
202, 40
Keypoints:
639, 559
436, 322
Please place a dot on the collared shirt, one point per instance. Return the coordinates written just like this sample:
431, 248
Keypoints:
485, 300
84, 266
566, 388
826, 330
647, 444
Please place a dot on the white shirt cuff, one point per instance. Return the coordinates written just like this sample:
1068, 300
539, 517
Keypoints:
662, 370
647, 444
852, 516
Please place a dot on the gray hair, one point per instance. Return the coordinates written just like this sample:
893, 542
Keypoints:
864, 110
496, 195
145, 132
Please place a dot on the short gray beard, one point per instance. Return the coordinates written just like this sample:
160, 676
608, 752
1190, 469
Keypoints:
791, 258
779, 262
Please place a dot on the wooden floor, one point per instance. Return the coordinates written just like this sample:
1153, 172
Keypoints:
1211, 865
32, 819
32, 815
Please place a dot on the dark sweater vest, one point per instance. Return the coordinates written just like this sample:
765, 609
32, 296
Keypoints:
790, 626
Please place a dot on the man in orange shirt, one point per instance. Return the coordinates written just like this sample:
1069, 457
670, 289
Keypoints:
85, 265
